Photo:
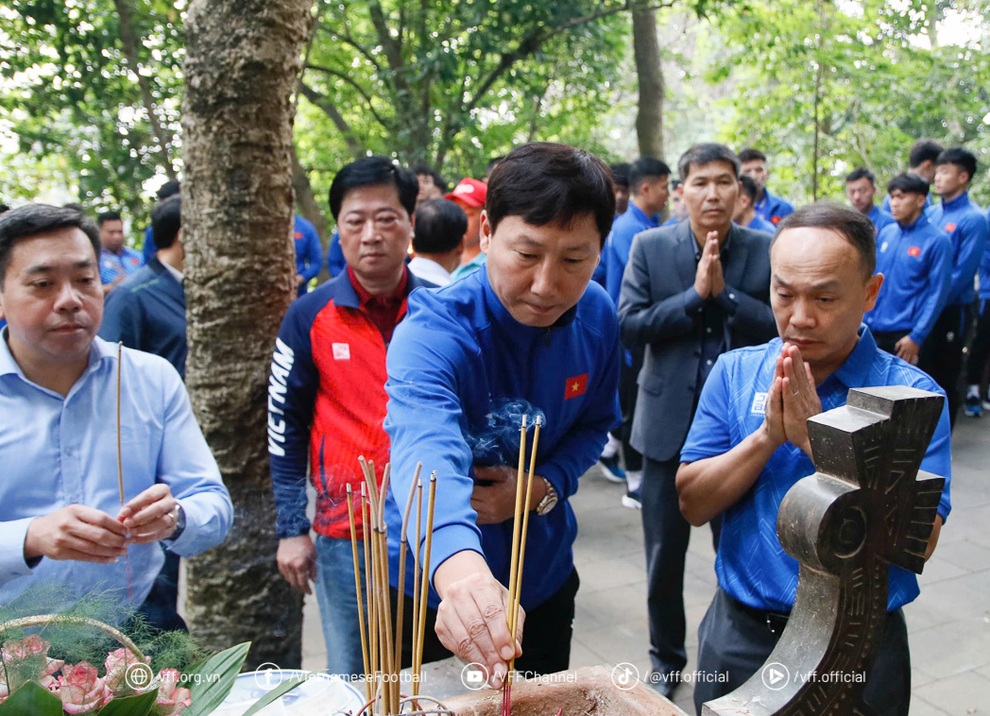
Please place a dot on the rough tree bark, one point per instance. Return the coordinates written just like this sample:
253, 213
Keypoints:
243, 58
646, 47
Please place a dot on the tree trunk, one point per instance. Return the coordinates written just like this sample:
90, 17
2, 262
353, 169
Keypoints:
646, 47
242, 63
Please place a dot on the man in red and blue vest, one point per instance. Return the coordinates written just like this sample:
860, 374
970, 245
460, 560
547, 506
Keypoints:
326, 397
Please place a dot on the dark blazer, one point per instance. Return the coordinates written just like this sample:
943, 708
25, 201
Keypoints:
147, 311
657, 309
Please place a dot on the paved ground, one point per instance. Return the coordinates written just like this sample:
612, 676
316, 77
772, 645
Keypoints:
949, 625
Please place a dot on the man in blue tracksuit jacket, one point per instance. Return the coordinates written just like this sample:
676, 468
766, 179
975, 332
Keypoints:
528, 330
914, 258
753, 163
309, 253
963, 221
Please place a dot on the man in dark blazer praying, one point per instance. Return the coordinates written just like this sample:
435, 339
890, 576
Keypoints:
690, 292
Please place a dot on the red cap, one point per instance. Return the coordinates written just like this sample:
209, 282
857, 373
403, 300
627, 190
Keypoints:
471, 191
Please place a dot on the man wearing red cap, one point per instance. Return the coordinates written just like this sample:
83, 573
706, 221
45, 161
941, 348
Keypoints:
470, 195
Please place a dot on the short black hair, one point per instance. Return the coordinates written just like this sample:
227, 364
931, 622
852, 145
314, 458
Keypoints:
166, 220
30, 220
908, 183
749, 187
961, 158
749, 154
646, 168
438, 181
169, 188
924, 150
440, 226
852, 225
545, 183
620, 173
372, 171
861, 173
106, 216
701, 154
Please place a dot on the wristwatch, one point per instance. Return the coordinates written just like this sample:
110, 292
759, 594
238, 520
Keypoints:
549, 500
180, 522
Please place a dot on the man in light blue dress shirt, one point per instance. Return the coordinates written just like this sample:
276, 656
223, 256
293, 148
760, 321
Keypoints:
63, 522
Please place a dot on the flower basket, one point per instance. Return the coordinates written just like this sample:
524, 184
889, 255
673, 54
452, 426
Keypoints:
33, 683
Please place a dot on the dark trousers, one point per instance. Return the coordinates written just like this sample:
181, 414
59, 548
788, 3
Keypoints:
941, 355
736, 642
979, 349
160, 607
886, 340
632, 364
666, 534
547, 632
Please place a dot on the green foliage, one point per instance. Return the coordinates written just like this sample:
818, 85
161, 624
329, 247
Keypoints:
31, 698
217, 675
140, 705
453, 84
69, 93
863, 74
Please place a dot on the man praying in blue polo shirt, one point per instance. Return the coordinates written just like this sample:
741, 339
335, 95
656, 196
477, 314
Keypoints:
749, 444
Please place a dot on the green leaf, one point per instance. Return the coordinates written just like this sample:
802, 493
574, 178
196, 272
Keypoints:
31, 698
280, 690
139, 705
211, 680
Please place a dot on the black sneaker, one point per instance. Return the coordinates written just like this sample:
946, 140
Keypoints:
611, 470
973, 406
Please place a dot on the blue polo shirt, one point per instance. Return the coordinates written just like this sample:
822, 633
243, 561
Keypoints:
619, 241
123, 264
916, 267
751, 564
758, 224
879, 218
966, 226
772, 208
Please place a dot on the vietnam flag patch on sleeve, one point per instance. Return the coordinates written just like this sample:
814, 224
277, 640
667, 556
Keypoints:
575, 386
914, 251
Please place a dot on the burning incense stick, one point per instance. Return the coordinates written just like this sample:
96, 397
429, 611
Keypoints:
425, 577
516, 520
120, 466
403, 550
519, 549
362, 626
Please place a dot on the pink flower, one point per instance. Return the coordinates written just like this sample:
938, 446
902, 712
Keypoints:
117, 664
172, 698
25, 660
81, 689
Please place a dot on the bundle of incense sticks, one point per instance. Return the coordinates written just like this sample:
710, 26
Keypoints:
520, 527
381, 644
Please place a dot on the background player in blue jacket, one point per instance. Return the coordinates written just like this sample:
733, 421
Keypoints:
528, 328
915, 260
966, 226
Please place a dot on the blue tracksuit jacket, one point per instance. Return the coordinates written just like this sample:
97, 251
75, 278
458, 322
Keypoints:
966, 226
916, 265
452, 362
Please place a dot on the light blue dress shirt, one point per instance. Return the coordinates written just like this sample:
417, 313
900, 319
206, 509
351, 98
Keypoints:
56, 451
